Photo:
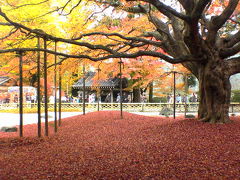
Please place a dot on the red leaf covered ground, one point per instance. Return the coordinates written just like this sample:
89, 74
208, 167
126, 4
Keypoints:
100, 145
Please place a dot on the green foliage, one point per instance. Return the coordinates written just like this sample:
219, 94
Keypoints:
108, 21
192, 81
235, 96
190, 116
130, 16
159, 99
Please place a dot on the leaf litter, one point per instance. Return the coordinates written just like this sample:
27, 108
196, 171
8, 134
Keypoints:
101, 145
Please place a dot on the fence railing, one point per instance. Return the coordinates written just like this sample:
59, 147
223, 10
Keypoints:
130, 107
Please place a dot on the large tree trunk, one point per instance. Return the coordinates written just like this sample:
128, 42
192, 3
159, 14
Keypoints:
136, 95
150, 96
215, 90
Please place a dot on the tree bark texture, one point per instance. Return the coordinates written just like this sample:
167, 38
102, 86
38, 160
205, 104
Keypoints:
215, 91
136, 95
151, 92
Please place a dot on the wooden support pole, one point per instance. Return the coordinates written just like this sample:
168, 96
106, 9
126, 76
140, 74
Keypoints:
98, 90
45, 87
84, 90
55, 88
20, 93
174, 94
60, 96
121, 93
38, 89
186, 91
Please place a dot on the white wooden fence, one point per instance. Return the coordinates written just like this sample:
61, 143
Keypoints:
130, 107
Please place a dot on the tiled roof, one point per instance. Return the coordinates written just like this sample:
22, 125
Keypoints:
4, 79
89, 83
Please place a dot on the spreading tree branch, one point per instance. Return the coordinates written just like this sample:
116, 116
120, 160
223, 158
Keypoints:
134, 9
133, 39
187, 5
227, 52
10, 33
76, 5
109, 53
231, 40
28, 4
166, 10
217, 22
199, 9
234, 65
5, 24
117, 55
50, 37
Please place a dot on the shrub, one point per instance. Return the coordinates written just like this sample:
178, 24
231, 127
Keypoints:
235, 96
159, 99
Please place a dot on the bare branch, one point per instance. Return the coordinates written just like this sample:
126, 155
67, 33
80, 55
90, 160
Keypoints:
109, 53
232, 40
19, 41
10, 33
228, 52
49, 12
134, 39
65, 5
117, 55
187, 5
30, 4
76, 5
167, 10
234, 65
160, 25
198, 9
119, 5
217, 21
5, 24
93, 14
50, 37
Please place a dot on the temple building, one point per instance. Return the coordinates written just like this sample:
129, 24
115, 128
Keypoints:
107, 89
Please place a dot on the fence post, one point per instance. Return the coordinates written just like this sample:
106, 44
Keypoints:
143, 107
